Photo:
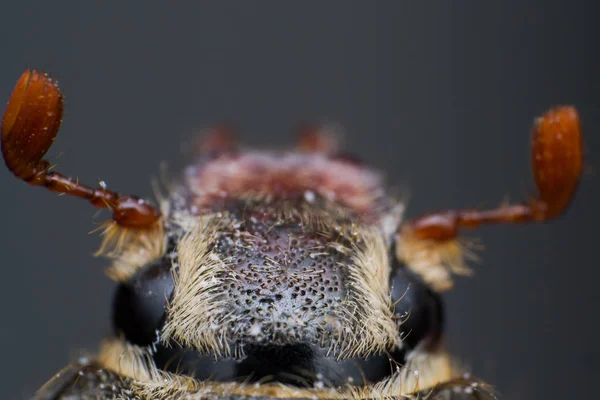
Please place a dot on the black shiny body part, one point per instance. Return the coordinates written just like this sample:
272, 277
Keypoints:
89, 381
299, 365
139, 303
419, 309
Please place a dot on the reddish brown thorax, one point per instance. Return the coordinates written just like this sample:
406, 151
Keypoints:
287, 176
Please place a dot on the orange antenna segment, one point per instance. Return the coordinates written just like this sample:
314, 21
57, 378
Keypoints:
30, 125
557, 159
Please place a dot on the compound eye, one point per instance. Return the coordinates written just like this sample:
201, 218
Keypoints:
140, 303
418, 309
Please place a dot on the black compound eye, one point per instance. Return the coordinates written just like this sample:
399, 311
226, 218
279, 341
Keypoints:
419, 307
139, 303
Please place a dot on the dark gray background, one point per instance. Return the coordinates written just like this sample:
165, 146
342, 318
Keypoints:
441, 95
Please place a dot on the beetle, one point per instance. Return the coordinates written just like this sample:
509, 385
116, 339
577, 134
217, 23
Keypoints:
272, 275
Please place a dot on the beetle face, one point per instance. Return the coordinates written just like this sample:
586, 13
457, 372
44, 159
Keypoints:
276, 275
286, 287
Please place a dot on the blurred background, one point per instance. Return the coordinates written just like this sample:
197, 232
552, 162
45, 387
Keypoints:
440, 95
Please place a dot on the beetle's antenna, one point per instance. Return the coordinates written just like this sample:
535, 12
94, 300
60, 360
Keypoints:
30, 125
557, 159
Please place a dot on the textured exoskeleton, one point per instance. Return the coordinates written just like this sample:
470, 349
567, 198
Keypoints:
276, 274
